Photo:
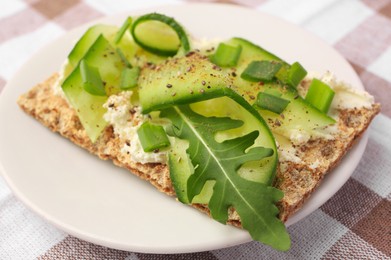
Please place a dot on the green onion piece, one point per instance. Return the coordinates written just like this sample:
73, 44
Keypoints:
122, 30
320, 95
129, 77
150, 41
123, 58
226, 55
152, 137
261, 70
270, 102
92, 82
296, 74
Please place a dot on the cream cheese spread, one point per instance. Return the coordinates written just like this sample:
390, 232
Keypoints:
346, 97
126, 118
57, 90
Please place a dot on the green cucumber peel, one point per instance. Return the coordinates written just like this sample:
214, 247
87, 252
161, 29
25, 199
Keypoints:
125, 26
153, 48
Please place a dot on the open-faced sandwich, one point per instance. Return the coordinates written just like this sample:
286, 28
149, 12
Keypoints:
229, 128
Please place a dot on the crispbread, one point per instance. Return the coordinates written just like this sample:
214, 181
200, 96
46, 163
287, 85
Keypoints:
296, 180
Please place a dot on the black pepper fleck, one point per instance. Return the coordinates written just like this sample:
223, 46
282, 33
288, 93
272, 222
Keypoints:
215, 67
190, 53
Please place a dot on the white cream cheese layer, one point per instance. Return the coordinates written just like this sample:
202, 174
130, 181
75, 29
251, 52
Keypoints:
57, 90
126, 118
346, 97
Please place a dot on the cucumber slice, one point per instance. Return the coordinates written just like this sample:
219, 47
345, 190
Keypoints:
102, 55
180, 171
89, 107
180, 168
89, 37
259, 171
180, 81
160, 34
299, 114
153, 32
131, 51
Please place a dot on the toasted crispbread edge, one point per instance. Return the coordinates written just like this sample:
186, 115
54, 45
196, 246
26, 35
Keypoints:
55, 113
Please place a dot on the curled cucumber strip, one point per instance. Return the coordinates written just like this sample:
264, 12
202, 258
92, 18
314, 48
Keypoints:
155, 45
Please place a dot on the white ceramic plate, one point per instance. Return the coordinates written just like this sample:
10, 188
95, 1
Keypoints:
98, 202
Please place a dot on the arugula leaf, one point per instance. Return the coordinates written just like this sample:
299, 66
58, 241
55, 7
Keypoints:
254, 202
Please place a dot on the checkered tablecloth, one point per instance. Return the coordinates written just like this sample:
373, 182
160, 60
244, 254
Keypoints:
354, 224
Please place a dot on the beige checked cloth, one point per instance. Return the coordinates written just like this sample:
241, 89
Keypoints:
354, 224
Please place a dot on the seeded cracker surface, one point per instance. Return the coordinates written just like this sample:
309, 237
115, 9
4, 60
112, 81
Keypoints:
296, 180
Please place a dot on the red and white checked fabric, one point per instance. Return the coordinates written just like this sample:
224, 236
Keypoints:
354, 224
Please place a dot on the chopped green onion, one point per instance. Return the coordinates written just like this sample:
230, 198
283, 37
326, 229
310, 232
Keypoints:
270, 102
150, 41
92, 82
261, 70
129, 77
122, 30
296, 73
320, 95
123, 58
152, 137
226, 55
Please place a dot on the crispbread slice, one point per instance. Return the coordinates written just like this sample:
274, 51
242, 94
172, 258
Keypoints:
296, 179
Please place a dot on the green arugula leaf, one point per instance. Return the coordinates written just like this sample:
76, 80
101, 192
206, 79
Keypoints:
254, 202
